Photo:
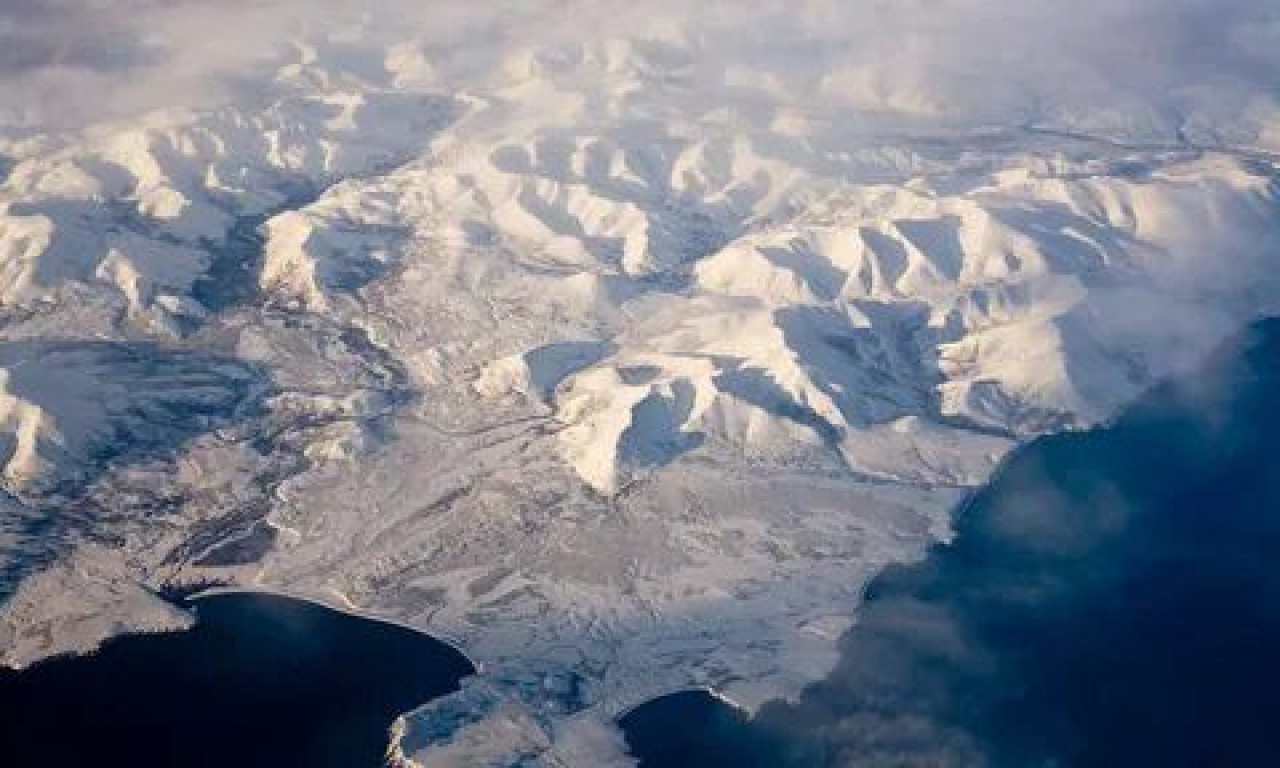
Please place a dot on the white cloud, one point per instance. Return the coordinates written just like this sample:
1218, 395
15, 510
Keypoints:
1132, 65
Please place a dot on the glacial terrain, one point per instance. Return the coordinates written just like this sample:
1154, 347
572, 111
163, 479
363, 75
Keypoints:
621, 354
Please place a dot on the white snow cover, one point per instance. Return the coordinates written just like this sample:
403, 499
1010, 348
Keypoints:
621, 343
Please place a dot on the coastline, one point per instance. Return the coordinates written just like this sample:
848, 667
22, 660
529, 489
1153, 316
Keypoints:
346, 610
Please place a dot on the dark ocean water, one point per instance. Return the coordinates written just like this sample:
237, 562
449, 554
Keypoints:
1112, 598
260, 681
688, 728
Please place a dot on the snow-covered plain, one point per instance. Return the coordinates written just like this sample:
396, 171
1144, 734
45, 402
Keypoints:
620, 347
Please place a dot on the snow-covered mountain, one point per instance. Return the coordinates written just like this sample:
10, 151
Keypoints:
622, 357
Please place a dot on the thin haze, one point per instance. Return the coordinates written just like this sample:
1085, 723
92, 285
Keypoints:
1105, 603
1135, 67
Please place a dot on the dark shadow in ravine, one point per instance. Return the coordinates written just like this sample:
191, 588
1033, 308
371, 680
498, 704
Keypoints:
260, 681
103, 405
1110, 599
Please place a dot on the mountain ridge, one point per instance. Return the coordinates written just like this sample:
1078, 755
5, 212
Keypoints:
626, 380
